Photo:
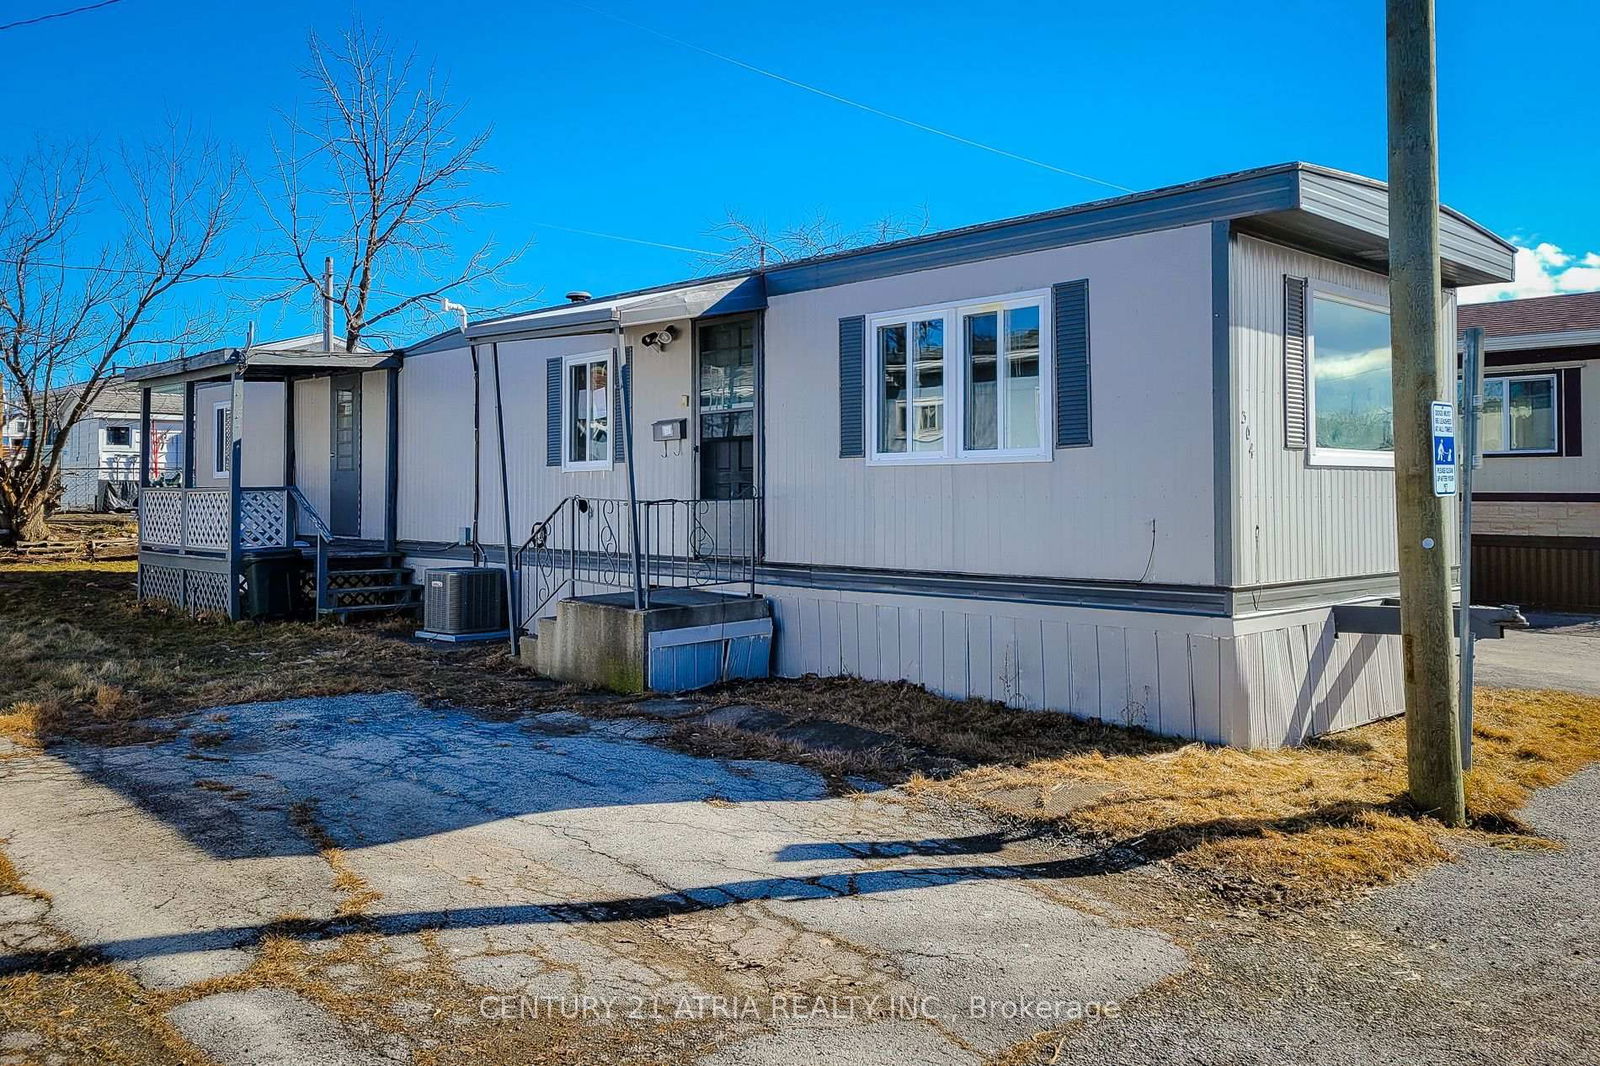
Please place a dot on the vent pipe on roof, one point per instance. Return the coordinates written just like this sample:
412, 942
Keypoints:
579, 296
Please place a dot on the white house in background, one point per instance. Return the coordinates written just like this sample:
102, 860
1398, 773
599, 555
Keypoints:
1123, 459
100, 462
1536, 499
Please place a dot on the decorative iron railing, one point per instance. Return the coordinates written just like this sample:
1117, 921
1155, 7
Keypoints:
588, 542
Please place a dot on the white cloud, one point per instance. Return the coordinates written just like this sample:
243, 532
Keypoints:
1541, 270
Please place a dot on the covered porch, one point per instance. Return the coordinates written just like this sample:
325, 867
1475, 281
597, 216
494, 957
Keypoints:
282, 501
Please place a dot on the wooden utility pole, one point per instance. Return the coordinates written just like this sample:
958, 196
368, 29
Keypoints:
1433, 748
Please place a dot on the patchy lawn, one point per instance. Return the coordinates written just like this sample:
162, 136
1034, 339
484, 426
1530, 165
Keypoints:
1295, 826
80, 658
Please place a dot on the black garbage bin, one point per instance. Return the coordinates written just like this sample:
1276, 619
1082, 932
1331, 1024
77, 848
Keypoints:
272, 584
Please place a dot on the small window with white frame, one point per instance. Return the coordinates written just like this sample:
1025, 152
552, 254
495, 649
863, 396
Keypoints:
221, 439
1349, 394
587, 407
119, 436
960, 382
1520, 415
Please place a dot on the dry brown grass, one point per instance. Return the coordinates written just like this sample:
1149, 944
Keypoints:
81, 659
1295, 825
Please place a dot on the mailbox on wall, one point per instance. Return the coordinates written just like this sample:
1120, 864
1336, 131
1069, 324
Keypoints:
669, 429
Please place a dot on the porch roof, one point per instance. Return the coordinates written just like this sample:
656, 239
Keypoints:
273, 360
710, 296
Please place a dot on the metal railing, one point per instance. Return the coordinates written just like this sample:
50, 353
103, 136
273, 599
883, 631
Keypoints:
585, 541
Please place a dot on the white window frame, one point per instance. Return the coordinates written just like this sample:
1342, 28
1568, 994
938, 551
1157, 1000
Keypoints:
1318, 455
569, 409
222, 444
1554, 379
955, 375
125, 429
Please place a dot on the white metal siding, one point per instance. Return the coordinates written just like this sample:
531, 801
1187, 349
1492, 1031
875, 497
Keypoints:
374, 451
263, 429
1085, 514
311, 441
1295, 521
1260, 685
436, 435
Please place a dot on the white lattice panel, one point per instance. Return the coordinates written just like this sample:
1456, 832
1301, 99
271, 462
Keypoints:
163, 584
263, 518
207, 593
206, 523
161, 517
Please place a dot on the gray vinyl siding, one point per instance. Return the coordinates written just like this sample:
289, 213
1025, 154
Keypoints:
1296, 521
374, 451
1087, 512
1263, 685
312, 443
263, 427
436, 445
436, 435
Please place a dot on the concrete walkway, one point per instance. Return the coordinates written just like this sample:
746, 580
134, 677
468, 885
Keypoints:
358, 880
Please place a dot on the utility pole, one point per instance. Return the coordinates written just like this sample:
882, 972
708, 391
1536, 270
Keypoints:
1433, 745
327, 304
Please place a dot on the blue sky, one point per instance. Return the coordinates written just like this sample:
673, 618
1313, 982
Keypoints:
599, 125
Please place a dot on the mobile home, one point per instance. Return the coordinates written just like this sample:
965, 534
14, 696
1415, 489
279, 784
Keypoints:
1123, 459
1536, 499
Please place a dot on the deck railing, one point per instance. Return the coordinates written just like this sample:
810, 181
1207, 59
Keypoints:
197, 520
587, 542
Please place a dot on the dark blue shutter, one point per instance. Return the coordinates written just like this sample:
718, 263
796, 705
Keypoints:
852, 346
1294, 362
1071, 303
619, 412
552, 412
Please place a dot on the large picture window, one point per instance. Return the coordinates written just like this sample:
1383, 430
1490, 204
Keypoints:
1351, 393
961, 382
588, 411
1519, 415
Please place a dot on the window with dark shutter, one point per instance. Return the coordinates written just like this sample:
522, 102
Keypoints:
1070, 301
621, 404
1294, 362
852, 343
552, 412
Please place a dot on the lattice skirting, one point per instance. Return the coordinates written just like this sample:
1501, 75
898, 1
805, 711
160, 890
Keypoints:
193, 591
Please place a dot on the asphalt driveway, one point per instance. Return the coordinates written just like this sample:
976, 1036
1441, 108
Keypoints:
362, 880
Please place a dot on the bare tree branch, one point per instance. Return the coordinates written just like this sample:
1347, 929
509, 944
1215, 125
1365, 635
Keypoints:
70, 312
751, 245
375, 175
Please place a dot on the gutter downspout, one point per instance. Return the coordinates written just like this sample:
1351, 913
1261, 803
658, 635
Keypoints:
505, 501
640, 593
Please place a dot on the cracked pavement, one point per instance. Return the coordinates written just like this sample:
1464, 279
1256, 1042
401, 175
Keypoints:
309, 881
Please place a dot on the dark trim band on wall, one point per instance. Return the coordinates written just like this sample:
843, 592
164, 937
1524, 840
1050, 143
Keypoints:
1536, 497
1517, 540
1529, 356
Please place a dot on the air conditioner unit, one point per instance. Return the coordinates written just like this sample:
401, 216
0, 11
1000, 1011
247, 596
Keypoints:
464, 599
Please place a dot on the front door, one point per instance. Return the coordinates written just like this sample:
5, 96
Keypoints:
344, 483
727, 351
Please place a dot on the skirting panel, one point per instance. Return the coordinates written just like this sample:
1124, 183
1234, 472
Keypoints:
1171, 674
193, 591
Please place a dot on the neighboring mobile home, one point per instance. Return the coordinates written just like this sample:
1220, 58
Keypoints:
100, 461
1536, 499
1122, 459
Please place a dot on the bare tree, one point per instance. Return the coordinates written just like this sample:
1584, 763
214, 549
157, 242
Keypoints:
752, 245
71, 309
375, 175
